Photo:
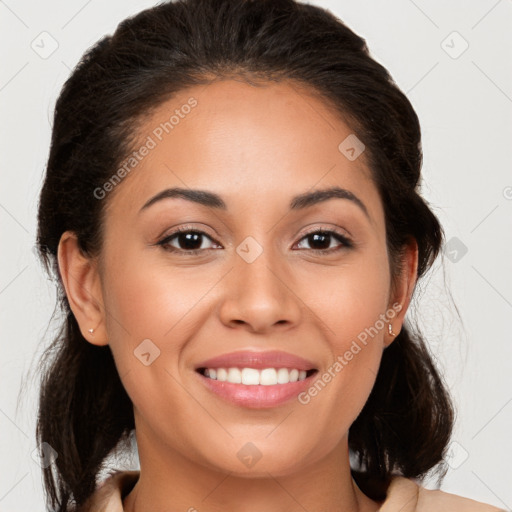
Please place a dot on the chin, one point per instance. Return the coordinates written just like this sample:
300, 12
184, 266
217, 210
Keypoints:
258, 458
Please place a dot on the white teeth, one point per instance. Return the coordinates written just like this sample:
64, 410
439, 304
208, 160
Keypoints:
283, 376
222, 374
234, 376
250, 376
253, 377
268, 377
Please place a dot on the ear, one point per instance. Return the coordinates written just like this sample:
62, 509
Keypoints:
82, 284
401, 294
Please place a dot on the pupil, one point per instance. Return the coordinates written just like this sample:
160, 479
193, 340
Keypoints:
190, 240
325, 238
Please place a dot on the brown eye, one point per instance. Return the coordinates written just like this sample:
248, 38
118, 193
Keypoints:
321, 240
185, 241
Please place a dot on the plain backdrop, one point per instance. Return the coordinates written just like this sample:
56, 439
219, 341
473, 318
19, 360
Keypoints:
453, 61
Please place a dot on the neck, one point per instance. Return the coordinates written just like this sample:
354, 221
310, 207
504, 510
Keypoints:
172, 482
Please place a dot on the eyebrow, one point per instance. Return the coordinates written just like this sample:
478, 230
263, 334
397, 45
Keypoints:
300, 202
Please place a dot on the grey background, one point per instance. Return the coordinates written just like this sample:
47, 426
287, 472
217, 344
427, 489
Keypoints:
463, 97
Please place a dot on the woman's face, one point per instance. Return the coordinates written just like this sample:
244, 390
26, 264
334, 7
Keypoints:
257, 280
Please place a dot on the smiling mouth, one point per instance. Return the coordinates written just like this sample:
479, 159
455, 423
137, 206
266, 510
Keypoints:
254, 377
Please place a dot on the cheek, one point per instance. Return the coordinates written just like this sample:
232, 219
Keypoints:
349, 298
151, 315
152, 308
351, 303
148, 300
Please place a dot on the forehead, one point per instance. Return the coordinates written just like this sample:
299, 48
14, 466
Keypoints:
267, 141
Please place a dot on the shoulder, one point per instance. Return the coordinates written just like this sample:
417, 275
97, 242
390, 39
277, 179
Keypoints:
407, 496
109, 495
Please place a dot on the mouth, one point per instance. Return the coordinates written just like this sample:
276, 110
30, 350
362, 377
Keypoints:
255, 376
253, 388
256, 379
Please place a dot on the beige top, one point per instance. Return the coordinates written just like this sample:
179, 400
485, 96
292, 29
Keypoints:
404, 495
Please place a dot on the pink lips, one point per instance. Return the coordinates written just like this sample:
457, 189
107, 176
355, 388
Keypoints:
257, 396
258, 360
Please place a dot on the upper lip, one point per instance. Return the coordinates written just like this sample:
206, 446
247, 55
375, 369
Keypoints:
258, 360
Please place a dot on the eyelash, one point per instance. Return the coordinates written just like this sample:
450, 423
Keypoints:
346, 242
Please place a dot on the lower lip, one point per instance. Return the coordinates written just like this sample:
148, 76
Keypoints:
257, 396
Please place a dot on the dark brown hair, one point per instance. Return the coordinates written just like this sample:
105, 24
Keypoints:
84, 411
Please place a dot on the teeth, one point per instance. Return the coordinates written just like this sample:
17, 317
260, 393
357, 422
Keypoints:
250, 376
253, 377
234, 376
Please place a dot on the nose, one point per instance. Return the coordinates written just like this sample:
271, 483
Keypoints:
259, 296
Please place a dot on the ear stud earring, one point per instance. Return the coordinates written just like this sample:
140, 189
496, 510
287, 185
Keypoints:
91, 331
390, 330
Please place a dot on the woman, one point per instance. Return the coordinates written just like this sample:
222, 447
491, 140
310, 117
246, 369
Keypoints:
231, 208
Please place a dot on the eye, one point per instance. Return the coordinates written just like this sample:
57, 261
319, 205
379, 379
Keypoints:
188, 241
323, 238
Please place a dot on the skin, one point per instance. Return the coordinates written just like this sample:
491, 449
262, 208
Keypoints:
256, 146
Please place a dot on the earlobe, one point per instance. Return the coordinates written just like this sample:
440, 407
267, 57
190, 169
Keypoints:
81, 282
